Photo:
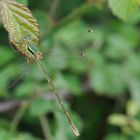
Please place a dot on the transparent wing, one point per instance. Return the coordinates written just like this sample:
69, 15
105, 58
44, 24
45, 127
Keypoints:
10, 77
66, 50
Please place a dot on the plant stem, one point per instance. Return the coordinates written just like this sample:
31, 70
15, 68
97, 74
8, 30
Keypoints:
54, 7
45, 127
18, 116
77, 13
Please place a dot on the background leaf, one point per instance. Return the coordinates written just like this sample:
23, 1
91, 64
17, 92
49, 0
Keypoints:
124, 9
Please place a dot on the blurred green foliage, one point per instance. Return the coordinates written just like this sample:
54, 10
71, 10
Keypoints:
100, 90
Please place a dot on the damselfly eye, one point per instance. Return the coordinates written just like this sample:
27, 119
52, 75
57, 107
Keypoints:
90, 30
82, 54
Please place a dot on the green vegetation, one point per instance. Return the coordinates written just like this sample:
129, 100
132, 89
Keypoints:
91, 51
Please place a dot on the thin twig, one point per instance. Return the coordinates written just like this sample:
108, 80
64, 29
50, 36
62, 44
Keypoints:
18, 116
45, 127
9, 105
53, 8
77, 13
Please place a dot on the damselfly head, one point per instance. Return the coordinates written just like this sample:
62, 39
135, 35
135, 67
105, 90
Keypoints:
82, 54
90, 30
34, 53
27, 47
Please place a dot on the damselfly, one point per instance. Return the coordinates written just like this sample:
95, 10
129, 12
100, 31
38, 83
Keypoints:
33, 53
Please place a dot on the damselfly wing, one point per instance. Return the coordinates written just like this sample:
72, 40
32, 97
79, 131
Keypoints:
62, 52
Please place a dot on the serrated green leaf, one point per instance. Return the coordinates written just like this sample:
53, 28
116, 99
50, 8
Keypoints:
20, 24
124, 9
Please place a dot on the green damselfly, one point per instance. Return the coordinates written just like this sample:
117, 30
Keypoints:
32, 53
